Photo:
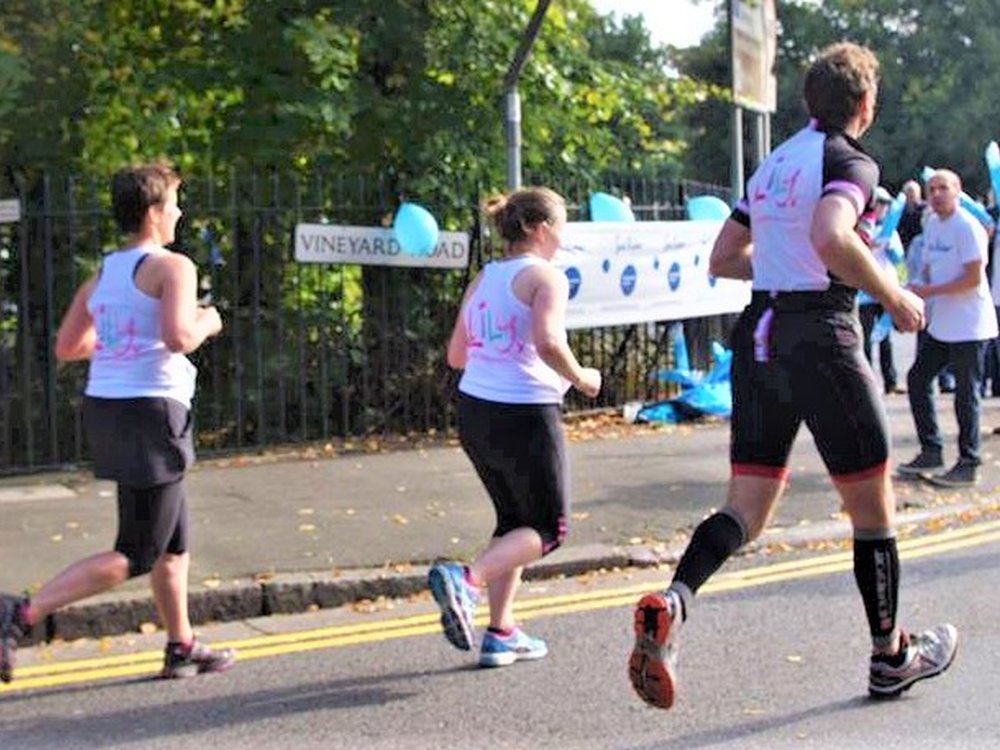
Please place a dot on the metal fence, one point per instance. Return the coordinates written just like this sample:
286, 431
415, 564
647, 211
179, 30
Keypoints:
309, 352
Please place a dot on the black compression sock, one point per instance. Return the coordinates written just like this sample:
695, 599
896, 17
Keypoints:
876, 570
714, 541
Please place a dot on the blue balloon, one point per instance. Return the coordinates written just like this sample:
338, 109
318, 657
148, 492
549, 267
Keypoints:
707, 208
977, 209
606, 207
993, 164
416, 229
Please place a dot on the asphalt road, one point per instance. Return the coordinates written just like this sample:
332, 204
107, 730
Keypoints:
774, 656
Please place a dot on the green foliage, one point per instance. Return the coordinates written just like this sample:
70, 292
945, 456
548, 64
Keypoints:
405, 89
13, 79
940, 74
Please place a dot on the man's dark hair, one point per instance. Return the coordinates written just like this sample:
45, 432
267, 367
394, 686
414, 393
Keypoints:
134, 190
837, 81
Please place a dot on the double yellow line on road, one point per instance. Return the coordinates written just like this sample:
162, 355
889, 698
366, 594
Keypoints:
61, 674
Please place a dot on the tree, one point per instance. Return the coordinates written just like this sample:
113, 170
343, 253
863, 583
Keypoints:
940, 73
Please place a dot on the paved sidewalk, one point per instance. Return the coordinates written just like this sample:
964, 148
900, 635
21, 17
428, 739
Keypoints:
288, 536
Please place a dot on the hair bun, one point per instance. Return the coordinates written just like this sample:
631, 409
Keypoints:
493, 206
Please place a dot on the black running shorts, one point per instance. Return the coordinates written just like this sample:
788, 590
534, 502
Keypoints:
519, 452
140, 442
815, 372
151, 521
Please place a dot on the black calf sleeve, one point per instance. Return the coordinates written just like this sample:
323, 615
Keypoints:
714, 541
876, 570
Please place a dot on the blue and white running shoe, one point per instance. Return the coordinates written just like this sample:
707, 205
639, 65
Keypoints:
502, 651
457, 600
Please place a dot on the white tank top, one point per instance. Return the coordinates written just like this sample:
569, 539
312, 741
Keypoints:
131, 359
503, 364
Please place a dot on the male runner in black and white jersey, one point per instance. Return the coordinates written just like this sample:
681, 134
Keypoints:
797, 357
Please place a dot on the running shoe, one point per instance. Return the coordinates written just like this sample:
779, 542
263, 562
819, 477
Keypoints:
502, 651
927, 654
11, 628
457, 600
652, 665
179, 662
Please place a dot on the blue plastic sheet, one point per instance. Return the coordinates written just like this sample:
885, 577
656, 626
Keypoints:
702, 394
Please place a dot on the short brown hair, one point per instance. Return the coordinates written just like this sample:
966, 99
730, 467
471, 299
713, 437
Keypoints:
515, 213
837, 81
134, 190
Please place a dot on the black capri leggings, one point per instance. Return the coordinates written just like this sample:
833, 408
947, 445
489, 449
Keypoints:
519, 452
151, 522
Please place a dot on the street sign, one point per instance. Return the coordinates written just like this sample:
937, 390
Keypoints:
374, 246
10, 211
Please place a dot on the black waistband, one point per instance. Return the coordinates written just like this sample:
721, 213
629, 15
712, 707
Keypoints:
838, 298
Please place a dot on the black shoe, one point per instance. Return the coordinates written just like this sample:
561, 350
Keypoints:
12, 627
924, 463
962, 474
199, 659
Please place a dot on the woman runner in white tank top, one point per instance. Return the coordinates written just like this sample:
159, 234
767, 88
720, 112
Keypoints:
510, 339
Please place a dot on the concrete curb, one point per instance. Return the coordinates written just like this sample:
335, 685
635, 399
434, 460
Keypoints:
302, 592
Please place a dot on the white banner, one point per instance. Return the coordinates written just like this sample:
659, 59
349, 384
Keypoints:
374, 246
642, 272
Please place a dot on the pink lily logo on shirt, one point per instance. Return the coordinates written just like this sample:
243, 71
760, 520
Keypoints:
500, 337
116, 334
780, 187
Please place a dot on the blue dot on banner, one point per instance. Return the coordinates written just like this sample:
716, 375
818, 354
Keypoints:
606, 265
697, 260
711, 281
573, 274
656, 264
674, 276
628, 280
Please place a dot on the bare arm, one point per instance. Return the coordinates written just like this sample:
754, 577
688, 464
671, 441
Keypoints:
548, 320
458, 344
77, 337
969, 279
184, 325
849, 258
731, 253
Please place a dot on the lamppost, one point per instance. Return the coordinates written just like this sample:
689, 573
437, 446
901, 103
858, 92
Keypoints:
513, 99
